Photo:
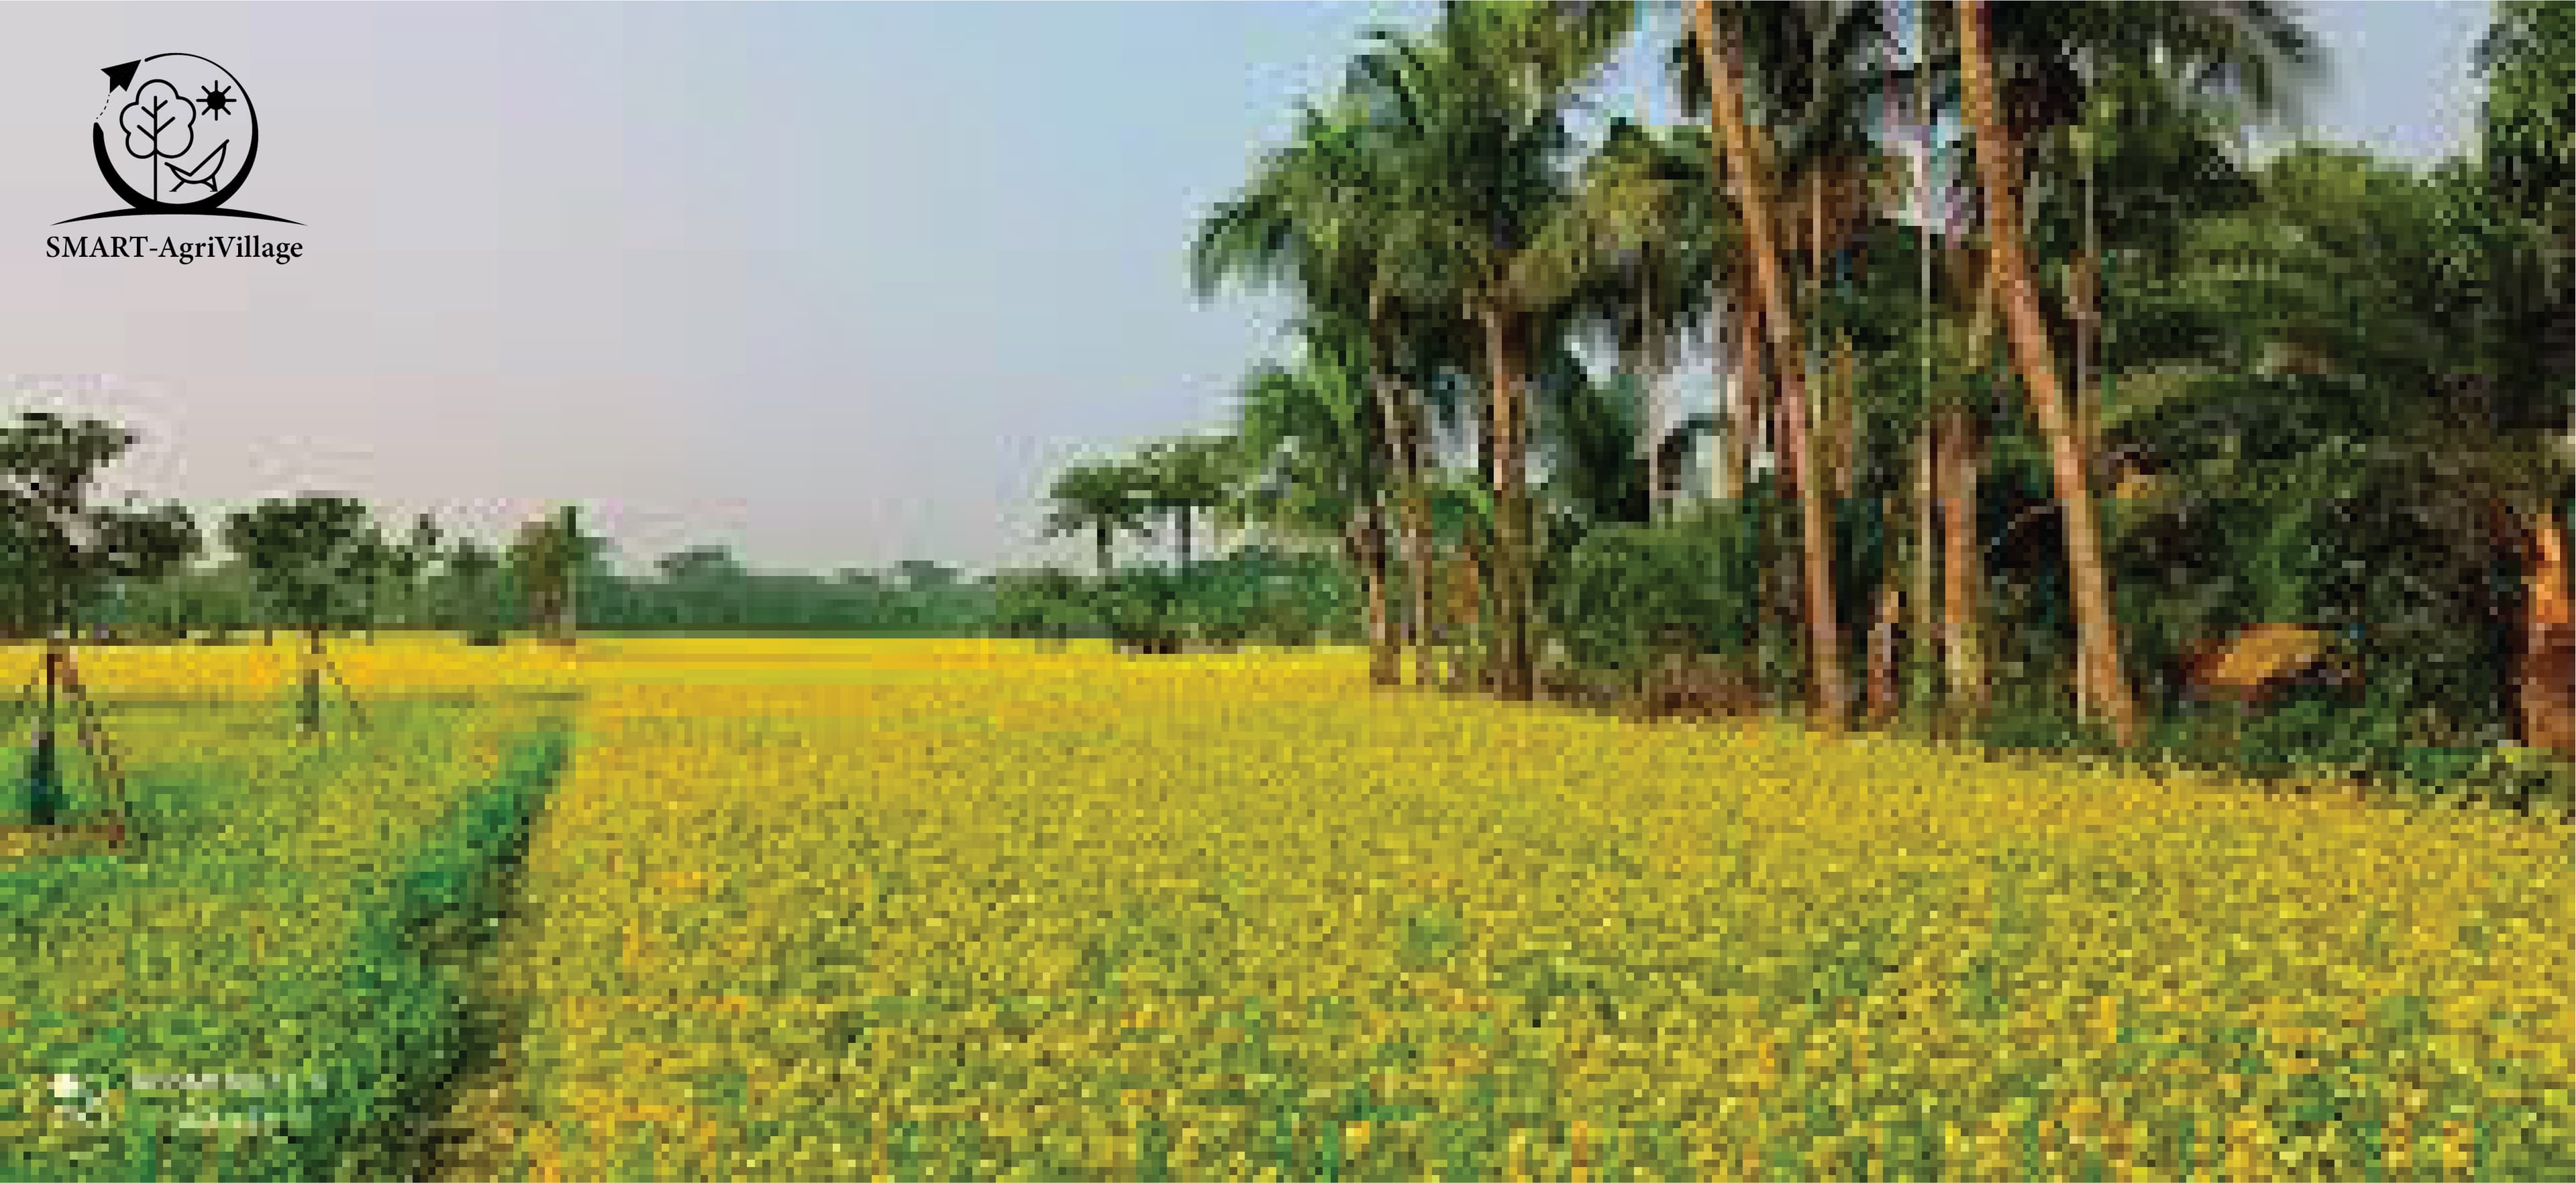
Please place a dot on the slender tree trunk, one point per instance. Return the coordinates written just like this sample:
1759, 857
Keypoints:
2546, 694
1646, 435
1369, 544
1181, 521
1720, 59
1925, 629
1753, 398
1100, 541
1846, 423
1470, 612
1882, 648
1513, 666
568, 618
1403, 460
313, 680
1417, 553
1723, 472
1961, 572
2096, 627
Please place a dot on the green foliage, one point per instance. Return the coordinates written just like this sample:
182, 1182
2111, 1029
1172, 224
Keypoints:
311, 555
58, 551
1253, 595
1628, 593
2529, 57
290, 926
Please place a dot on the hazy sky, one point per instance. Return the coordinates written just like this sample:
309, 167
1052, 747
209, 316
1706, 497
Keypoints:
835, 284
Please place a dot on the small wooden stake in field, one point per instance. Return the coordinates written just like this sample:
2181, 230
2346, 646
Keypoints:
46, 829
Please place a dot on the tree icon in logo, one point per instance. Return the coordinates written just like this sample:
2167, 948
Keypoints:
159, 123
177, 135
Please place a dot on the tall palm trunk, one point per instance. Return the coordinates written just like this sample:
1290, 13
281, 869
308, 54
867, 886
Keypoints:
1513, 665
2097, 630
1961, 572
1404, 439
1640, 362
1882, 648
1368, 552
2546, 695
1417, 554
1925, 635
1469, 608
1750, 402
1824, 635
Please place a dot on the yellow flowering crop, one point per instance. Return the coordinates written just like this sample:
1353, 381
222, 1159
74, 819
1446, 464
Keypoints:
847, 909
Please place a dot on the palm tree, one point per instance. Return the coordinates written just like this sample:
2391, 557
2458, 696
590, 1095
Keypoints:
1720, 57
1313, 441
1182, 476
1473, 111
1313, 219
1101, 498
1649, 202
2250, 44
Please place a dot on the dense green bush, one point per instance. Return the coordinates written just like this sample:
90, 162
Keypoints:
1627, 593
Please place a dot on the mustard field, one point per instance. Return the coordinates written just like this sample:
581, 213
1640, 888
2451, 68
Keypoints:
946, 910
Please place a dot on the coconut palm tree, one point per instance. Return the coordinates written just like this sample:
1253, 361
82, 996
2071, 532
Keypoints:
1182, 476
1649, 203
1317, 465
2045, 55
1103, 499
1313, 220
1721, 53
1473, 113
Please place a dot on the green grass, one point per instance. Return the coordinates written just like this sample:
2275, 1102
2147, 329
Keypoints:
248, 937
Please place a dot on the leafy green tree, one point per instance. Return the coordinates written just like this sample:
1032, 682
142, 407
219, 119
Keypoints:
311, 556
57, 547
57, 550
552, 557
472, 569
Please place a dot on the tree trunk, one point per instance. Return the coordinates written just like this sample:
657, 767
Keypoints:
1750, 397
1181, 516
1369, 545
1961, 572
1417, 553
1469, 606
1846, 428
567, 617
2546, 694
1100, 539
313, 681
1925, 642
2097, 629
1824, 642
1405, 461
1512, 657
1882, 649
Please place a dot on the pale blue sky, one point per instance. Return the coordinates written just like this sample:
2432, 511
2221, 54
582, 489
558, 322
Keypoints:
836, 284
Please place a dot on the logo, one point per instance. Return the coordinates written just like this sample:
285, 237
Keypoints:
177, 135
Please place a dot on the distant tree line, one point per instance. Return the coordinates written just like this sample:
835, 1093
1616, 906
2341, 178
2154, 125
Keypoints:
317, 564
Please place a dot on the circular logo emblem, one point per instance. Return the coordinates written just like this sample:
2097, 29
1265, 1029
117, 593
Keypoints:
177, 135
